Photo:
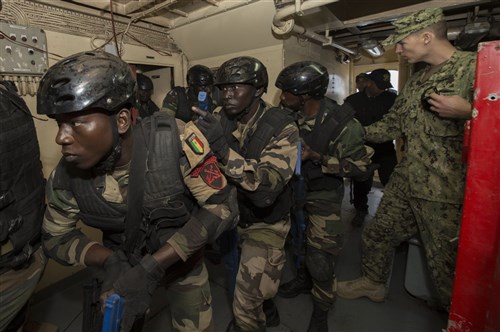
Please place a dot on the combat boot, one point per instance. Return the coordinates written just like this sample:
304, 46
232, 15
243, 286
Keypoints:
271, 312
301, 284
360, 287
319, 319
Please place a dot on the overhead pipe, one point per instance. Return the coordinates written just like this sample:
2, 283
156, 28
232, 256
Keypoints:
218, 8
283, 26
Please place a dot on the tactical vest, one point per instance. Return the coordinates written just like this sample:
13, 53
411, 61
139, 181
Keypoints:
319, 140
147, 109
269, 125
22, 186
167, 204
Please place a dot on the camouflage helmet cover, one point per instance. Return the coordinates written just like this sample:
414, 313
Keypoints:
242, 70
83, 81
200, 75
304, 77
412, 23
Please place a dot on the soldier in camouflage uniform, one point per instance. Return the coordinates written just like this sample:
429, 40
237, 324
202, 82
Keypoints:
179, 101
145, 106
425, 192
186, 200
256, 144
332, 148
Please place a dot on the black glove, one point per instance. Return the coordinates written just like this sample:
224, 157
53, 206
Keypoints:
360, 176
136, 286
211, 128
114, 267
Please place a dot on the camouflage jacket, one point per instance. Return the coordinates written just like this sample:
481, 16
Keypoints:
348, 147
68, 245
271, 173
277, 161
433, 145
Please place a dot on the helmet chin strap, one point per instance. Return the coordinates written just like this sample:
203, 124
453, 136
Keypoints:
302, 101
108, 163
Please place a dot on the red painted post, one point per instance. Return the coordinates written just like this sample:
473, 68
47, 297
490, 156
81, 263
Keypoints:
476, 293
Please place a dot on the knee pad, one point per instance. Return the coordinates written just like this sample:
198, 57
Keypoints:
320, 264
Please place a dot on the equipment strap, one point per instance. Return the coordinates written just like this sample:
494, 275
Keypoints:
135, 191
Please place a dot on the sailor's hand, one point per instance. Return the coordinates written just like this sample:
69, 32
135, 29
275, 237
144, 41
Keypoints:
454, 107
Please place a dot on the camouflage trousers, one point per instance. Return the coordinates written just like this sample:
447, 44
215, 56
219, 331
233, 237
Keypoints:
17, 286
190, 301
259, 274
325, 232
400, 217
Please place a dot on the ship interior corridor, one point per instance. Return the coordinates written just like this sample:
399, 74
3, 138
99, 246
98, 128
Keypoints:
61, 304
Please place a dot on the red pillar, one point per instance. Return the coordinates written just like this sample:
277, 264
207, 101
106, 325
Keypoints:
476, 293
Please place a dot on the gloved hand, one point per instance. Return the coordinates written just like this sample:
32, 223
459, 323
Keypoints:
115, 266
211, 128
360, 176
136, 286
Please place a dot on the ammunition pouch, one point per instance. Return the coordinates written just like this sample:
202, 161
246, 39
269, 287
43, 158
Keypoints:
350, 170
17, 260
316, 180
159, 225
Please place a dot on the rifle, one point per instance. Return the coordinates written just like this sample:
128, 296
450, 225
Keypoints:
298, 215
92, 317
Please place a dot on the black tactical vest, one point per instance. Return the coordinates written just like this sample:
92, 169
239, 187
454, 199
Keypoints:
167, 204
319, 139
269, 125
22, 186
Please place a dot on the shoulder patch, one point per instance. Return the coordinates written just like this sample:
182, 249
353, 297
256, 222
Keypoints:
195, 143
210, 173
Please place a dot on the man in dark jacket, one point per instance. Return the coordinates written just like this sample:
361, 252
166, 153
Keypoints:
145, 106
370, 105
179, 100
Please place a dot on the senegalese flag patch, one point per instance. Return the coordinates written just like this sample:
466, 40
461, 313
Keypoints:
195, 143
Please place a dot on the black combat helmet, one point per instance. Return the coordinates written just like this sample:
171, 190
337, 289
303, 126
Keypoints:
200, 75
144, 82
304, 77
242, 70
84, 81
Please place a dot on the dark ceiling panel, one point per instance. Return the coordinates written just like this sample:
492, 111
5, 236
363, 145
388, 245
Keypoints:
352, 9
